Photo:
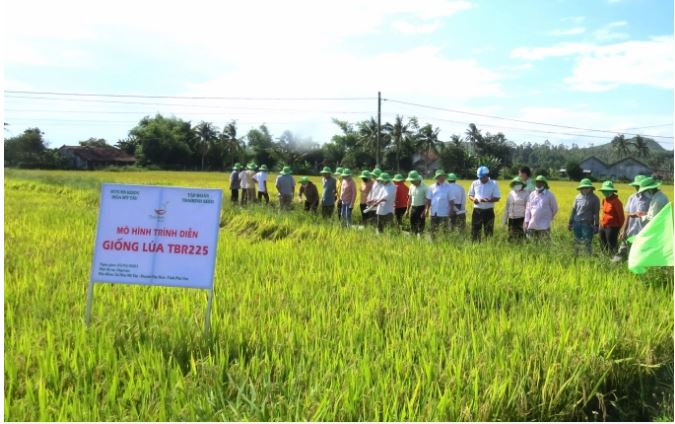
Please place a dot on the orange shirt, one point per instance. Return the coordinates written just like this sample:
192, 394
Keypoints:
612, 212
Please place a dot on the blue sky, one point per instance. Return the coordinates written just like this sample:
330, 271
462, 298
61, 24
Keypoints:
592, 64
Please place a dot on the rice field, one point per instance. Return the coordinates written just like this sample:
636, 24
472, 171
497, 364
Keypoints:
315, 322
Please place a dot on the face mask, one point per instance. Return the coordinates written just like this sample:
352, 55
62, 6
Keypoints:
540, 189
517, 187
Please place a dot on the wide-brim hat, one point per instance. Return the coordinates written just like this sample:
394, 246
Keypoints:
398, 178
286, 170
515, 181
346, 172
326, 170
414, 176
585, 183
648, 183
338, 172
452, 177
263, 167
608, 186
636, 180
251, 166
376, 172
440, 173
304, 180
384, 177
542, 179
365, 175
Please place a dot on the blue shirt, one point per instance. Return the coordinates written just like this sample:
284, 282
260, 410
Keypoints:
328, 193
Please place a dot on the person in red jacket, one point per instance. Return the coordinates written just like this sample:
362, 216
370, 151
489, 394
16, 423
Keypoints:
612, 218
401, 204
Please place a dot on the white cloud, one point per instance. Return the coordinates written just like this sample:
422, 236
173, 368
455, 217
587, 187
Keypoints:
605, 67
607, 32
567, 32
412, 29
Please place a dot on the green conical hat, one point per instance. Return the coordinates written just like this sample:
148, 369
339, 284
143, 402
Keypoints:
585, 183
439, 173
542, 179
346, 172
608, 186
384, 177
452, 177
286, 170
413, 176
515, 181
398, 178
376, 172
365, 174
636, 180
326, 170
648, 183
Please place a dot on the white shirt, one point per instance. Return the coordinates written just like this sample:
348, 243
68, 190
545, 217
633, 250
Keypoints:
374, 191
440, 197
516, 202
489, 190
242, 179
388, 193
459, 195
261, 178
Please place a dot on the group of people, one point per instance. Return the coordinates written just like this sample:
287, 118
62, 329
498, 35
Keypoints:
385, 201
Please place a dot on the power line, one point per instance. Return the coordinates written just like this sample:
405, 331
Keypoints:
145, 96
189, 112
518, 120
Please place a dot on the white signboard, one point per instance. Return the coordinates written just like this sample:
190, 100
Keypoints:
155, 235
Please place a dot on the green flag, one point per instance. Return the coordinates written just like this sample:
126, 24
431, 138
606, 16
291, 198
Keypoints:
653, 246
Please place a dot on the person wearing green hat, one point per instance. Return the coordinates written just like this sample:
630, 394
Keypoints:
250, 183
585, 217
364, 193
417, 198
657, 199
338, 190
328, 193
458, 217
540, 210
383, 201
612, 218
261, 180
285, 184
514, 211
440, 203
637, 206
311, 193
234, 183
347, 197
401, 203
375, 174
243, 185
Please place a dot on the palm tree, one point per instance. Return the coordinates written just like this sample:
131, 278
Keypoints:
473, 136
400, 133
620, 146
641, 146
367, 131
233, 145
207, 134
428, 142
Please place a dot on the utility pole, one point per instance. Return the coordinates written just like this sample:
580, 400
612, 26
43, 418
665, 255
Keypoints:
379, 128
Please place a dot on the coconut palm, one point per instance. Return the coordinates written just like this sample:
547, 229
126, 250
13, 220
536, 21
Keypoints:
473, 136
641, 146
400, 133
620, 146
428, 142
233, 145
206, 134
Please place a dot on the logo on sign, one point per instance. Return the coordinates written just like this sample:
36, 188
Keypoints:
159, 213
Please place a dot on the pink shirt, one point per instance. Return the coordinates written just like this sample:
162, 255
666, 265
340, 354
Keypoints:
540, 210
348, 191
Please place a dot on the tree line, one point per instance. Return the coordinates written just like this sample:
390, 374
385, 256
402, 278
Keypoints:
162, 142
